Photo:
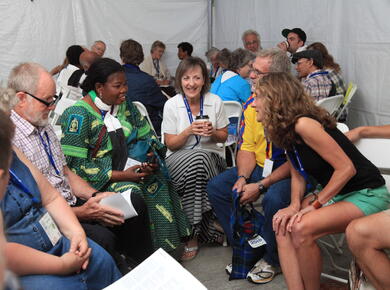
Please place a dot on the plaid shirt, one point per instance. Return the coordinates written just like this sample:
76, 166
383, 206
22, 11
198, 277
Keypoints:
317, 84
28, 141
338, 81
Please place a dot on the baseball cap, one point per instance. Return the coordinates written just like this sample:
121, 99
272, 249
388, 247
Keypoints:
313, 54
298, 31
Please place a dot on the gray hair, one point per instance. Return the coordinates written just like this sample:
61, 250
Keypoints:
212, 51
280, 62
99, 41
249, 32
7, 99
240, 58
25, 77
156, 44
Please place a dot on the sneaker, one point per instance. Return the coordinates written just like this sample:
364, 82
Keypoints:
262, 272
229, 269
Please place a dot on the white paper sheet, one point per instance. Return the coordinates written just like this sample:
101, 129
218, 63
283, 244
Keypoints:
158, 272
121, 201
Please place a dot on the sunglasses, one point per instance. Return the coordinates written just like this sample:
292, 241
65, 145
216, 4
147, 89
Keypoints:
48, 104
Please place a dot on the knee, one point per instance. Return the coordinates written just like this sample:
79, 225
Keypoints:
357, 235
302, 234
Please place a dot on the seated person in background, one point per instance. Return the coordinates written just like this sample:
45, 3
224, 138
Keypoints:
295, 40
248, 177
231, 85
141, 86
368, 236
99, 47
86, 59
100, 133
315, 80
214, 70
184, 50
46, 246
333, 69
320, 156
334, 73
73, 55
251, 41
154, 66
37, 140
193, 155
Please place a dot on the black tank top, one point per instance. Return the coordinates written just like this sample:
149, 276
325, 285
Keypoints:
367, 175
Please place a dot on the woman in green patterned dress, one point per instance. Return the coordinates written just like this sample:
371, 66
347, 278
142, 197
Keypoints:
101, 135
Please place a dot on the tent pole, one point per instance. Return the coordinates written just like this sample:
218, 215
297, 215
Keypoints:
210, 23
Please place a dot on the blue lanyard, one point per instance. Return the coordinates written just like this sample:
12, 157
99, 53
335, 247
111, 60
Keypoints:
48, 151
189, 113
17, 182
318, 73
299, 167
267, 150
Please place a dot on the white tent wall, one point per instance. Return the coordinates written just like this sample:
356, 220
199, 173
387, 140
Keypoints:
41, 30
356, 33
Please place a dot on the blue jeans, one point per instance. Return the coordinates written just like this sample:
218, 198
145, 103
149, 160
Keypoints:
277, 196
100, 273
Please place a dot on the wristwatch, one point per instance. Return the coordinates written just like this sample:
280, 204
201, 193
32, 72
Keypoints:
262, 188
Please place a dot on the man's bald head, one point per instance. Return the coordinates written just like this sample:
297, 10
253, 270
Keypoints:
87, 58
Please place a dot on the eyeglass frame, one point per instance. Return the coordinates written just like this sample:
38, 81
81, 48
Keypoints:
46, 103
257, 72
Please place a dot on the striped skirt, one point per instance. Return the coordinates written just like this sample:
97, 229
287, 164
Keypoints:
190, 171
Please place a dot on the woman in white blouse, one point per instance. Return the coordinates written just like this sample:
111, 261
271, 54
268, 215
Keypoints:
194, 122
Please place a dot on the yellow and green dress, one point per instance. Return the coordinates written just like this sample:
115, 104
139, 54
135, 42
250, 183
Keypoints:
81, 126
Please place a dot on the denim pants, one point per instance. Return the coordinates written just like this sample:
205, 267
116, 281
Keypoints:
277, 196
100, 273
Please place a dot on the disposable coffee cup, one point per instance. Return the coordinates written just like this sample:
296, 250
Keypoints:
286, 43
202, 119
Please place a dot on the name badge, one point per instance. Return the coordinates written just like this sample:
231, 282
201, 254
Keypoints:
50, 228
267, 170
257, 241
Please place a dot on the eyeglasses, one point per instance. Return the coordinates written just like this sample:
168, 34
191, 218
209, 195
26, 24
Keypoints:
48, 104
251, 42
257, 72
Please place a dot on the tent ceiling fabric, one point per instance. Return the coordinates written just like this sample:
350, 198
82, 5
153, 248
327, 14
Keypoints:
356, 32
41, 30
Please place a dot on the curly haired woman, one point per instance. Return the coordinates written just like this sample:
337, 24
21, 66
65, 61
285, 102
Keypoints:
320, 156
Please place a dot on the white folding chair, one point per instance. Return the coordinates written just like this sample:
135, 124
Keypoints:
141, 108
233, 109
374, 150
331, 104
347, 98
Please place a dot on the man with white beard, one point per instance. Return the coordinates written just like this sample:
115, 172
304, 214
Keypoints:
35, 91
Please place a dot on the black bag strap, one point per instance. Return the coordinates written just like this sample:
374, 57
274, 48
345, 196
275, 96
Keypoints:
95, 150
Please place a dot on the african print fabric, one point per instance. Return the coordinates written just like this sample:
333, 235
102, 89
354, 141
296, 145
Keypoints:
81, 126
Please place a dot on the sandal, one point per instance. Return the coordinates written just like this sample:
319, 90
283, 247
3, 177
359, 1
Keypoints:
189, 253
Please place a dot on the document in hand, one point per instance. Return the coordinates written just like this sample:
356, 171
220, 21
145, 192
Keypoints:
158, 272
121, 201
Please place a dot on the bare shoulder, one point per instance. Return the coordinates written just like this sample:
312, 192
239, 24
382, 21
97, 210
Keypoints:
305, 125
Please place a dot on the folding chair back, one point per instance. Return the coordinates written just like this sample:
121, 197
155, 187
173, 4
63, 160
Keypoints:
347, 98
233, 109
141, 108
331, 104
